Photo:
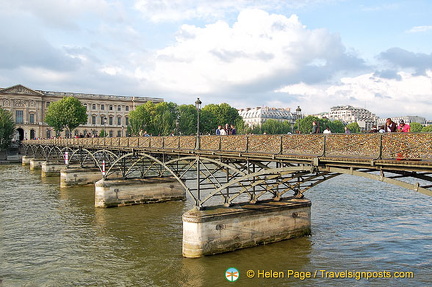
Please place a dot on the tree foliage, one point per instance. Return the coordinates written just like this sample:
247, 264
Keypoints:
427, 129
415, 127
187, 119
140, 119
353, 127
167, 118
275, 127
66, 114
7, 128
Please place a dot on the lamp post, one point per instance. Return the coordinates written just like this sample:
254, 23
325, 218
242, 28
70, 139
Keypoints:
198, 108
104, 122
298, 115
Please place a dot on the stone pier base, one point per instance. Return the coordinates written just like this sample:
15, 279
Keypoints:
50, 169
79, 176
113, 193
25, 160
219, 229
36, 164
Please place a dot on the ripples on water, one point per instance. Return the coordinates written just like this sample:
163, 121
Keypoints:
56, 237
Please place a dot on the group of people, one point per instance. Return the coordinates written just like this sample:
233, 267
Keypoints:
391, 127
226, 130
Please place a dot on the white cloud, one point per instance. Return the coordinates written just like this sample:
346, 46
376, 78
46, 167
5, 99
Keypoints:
259, 48
419, 29
177, 10
410, 95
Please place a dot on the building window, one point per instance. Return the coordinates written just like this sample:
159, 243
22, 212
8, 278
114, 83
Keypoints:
103, 120
111, 107
110, 121
127, 108
93, 120
102, 107
19, 117
94, 107
119, 108
32, 118
119, 133
119, 121
127, 120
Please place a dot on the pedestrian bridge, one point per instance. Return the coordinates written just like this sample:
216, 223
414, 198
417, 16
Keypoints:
216, 170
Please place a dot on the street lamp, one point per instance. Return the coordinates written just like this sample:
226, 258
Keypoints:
198, 108
104, 122
298, 115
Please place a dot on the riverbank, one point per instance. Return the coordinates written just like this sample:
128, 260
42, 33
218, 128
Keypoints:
10, 156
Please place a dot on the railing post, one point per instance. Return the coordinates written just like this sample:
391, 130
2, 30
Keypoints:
381, 147
281, 144
325, 145
247, 144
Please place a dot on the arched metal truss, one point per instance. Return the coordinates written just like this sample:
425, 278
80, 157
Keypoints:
212, 180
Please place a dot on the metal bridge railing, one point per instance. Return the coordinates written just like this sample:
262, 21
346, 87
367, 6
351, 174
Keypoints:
416, 146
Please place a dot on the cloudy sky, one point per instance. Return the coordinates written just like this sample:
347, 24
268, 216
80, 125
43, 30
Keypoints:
375, 54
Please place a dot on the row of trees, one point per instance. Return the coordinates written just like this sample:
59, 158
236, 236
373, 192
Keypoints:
169, 118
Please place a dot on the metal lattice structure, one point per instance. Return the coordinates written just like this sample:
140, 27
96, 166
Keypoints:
231, 169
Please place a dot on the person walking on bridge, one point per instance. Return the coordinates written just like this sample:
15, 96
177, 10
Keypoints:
390, 126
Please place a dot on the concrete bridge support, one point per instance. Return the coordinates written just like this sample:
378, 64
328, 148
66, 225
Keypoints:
79, 176
25, 160
219, 229
36, 164
113, 193
50, 169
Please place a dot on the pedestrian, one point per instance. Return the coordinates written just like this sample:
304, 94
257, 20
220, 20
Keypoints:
227, 129
233, 130
403, 127
374, 129
327, 131
347, 131
218, 130
315, 127
390, 126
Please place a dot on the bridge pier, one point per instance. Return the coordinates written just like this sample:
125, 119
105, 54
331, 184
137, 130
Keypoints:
36, 163
79, 176
219, 229
50, 169
25, 160
113, 193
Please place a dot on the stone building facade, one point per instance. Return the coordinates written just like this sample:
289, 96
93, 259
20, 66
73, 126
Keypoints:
257, 116
104, 112
349, 114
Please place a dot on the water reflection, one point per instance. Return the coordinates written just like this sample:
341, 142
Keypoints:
53, 236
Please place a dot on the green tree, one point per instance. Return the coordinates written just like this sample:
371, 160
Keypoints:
415, 127
66, 114
155, 119
275, 127
353, 127
164, 118
140, 118
335, 126
187, 119
304, 125
213, 115
7, 128
427, 129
